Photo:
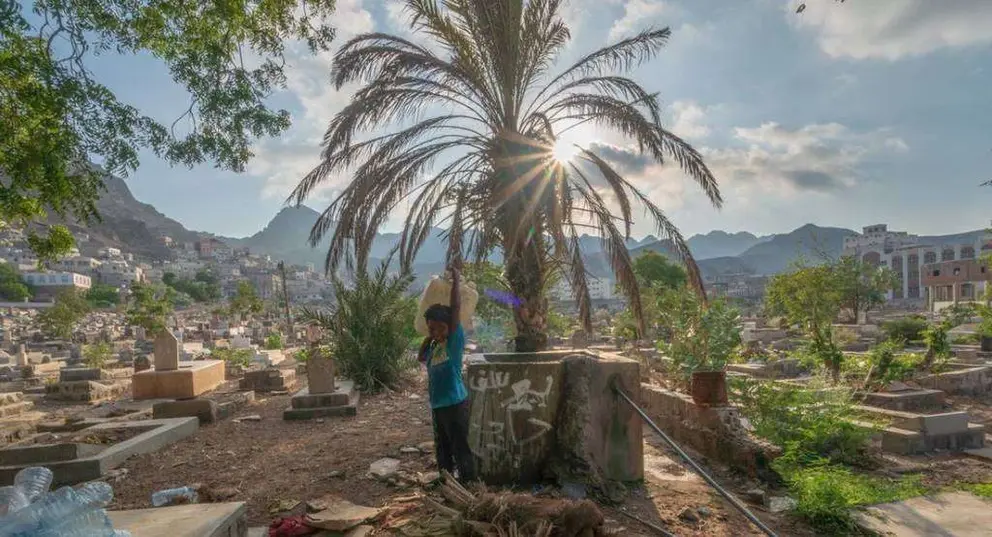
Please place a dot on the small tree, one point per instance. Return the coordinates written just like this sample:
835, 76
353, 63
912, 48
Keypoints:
12, 287
655, 270
245, 301
97, 354
59, 320
810, 297
702, 336
370, 328
103, 296
150, 308
862, 286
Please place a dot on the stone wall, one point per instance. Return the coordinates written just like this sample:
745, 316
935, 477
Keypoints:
972, 381
716, 433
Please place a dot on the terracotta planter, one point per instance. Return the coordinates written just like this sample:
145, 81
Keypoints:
986, 343
709, 388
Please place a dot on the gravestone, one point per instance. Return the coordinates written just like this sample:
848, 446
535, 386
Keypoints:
139, 333
320, 373
141, 363
166, 352
21, 358
240, 341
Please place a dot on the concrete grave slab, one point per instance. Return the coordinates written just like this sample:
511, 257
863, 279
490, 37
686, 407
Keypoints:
190, 380
267, 380
198, 520
951, 514
305, 406
906, 400
320, 375
73, 374
88, 465
86, 390
936, 424
204, 410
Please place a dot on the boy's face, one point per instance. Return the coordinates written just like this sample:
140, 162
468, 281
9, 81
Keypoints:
437, 330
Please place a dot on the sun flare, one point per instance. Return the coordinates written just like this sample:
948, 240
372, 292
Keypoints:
564, 151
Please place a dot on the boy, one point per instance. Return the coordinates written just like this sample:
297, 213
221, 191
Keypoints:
442, 353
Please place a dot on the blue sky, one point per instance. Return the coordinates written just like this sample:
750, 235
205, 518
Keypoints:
871, 111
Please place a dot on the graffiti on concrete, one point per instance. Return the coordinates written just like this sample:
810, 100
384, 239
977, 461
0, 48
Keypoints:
525, 398
490, 380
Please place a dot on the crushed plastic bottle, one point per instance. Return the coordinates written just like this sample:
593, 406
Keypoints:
12, 499
181, 495
34, 481
90, 522
65, 503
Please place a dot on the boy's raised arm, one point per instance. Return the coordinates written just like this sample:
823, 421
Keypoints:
456, 297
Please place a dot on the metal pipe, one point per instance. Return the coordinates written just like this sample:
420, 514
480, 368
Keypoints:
702, 473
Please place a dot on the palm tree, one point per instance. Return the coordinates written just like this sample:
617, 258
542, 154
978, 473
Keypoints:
476, 115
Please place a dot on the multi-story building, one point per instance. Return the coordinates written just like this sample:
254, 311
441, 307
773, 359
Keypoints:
952, 282
48, 284
78, 263
907, 255
267, 285
119, 273
599, 289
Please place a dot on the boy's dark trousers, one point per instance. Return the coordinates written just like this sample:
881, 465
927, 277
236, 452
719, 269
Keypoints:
451, 441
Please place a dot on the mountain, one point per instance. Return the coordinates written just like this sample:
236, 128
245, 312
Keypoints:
719, 243
285, 237
810, 242
128, 223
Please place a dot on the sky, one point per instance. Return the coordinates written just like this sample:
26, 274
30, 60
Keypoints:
848, 114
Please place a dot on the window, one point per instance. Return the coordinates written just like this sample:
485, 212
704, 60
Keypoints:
947, 254
936, 272
957, 270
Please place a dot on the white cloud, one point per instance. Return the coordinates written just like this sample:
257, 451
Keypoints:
638, 14
893, 29
815, 158
282, 162
689, 120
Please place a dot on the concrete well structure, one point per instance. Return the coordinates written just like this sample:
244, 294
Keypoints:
554, 415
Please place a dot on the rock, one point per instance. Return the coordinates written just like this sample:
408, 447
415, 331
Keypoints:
755, 496
282, 506
334, 474
777, 504
253, 417
341, 515
896, 386
409, 450
689, 514
384, 468
704, 511
359, 531
428, 478
426, 447
414, 396
319, 420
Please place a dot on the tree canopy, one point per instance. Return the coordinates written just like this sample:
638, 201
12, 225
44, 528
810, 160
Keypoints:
12, 286
464, 122
56, 117
246, 301
150, 307
655, 270
204, 287
60, 320
103, 296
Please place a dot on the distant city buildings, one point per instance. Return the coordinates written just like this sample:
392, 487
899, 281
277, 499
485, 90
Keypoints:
48, 284
599, 289
915, 261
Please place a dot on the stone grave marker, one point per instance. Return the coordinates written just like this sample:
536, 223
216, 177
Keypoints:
320, 373
21, 358
166, 352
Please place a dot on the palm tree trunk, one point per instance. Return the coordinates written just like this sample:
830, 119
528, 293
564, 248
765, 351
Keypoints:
525, 274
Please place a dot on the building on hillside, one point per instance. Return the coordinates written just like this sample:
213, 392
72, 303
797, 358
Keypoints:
267, 285
907, 255
119, 273
109, 253
743, 286
599, 289
80, 264
952, 282
48, 284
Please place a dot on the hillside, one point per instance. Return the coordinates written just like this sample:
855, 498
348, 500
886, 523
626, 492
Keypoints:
129, 224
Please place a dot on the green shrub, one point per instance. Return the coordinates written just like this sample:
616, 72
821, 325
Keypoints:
370, 328
983, 490
825, 494
810, 425
906, 329
966, 339
240, 357
703, 336
97, 354
273, 341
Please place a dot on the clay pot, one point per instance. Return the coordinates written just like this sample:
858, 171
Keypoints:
709, 388
986, 343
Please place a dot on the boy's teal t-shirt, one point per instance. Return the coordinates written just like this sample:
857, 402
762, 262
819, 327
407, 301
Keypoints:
444, 371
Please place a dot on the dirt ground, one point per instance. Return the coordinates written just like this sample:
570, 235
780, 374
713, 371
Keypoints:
272, 464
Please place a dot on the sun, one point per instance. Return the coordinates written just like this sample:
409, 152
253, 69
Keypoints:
564, 151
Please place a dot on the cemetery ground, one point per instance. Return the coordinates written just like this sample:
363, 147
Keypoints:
277, 466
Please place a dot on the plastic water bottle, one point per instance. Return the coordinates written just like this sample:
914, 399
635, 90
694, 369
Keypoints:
34, 481
12, 499
91, 522
57, 506
174, 496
